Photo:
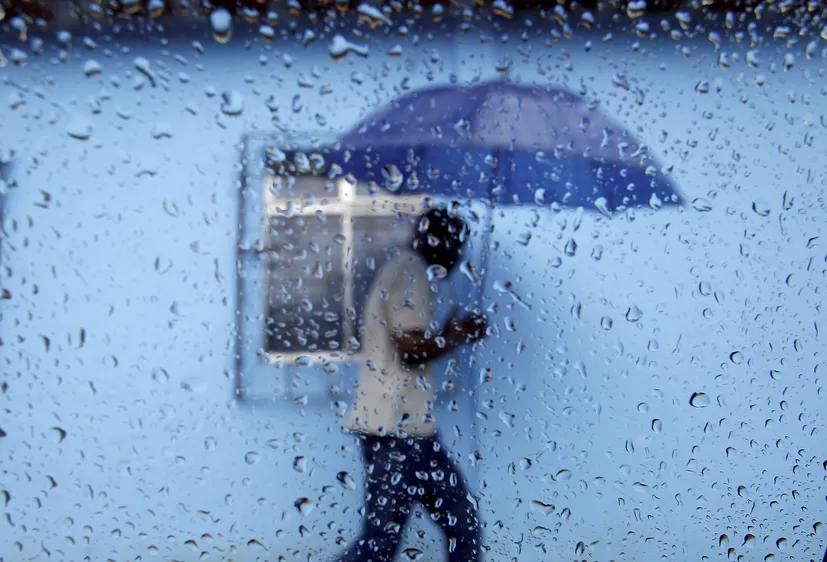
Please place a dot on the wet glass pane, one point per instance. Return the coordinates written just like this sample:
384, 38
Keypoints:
242, 318
305, 284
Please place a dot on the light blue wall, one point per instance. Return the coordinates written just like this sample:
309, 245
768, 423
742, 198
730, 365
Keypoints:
156, 449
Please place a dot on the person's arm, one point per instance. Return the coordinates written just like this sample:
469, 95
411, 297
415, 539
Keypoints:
415, 348
407, 310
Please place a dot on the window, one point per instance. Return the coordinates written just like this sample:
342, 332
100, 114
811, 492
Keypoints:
322, 243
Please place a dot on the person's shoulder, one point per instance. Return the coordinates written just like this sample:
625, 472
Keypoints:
409, 261
405, 267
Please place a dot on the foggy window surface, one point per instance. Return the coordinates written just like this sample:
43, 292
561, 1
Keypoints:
200, 206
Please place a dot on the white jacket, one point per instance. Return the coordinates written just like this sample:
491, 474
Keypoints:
391, 396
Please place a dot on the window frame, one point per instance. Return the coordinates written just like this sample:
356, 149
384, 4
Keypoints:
257, 205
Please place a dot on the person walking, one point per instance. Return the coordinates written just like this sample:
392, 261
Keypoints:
392, 412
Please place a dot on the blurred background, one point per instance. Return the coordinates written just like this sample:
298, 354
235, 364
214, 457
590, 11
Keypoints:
182, 276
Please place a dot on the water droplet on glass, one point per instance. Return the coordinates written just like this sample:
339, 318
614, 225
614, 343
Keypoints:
60, 433
540, 196
571, 247
810, 50
156, 8
340, 47
702, 204
436, 272
510, 420
304, 506
702, 87
267, 33
251, 458
563, 475
393, 177
372, 15
221, 22
16, 100
657, 425
303, 361
467, 268
161, 130
304, 81
195, 385
760, 208
640, 487
346, 480
699, 400
232, 103
412, 554
92, 68
19, 58
210, 443
79, 128
602, 205
643, 407
143, 66
159, 374
634, 314
736, 357
300, 464
621, 81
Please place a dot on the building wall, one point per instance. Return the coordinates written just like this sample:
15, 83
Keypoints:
119, 265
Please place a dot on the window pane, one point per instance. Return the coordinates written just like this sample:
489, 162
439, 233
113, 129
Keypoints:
171, 243
305, 284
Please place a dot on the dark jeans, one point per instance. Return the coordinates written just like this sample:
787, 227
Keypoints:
401, 472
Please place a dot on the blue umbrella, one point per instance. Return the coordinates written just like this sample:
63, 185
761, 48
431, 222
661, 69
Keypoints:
504, 143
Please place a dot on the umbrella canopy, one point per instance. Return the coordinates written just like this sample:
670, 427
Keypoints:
505, 142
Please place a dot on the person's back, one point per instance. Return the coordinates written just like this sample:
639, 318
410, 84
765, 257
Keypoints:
394, 396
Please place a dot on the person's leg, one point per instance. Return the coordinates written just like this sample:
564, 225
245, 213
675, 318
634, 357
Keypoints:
387, 503
447, 500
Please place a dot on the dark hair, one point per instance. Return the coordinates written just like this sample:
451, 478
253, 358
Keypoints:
439, 236
442, 224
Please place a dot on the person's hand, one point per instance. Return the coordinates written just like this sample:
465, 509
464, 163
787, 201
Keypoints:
472, 327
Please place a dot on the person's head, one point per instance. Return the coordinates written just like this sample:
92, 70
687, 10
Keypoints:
439, 236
